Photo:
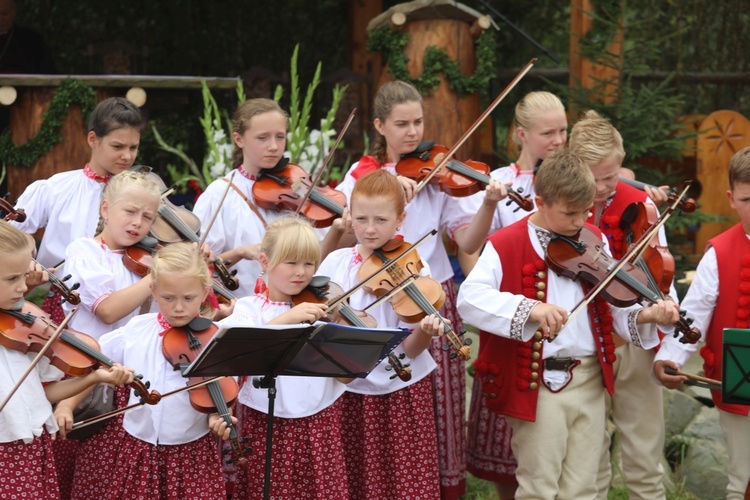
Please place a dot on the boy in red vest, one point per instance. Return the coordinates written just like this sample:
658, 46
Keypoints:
552, 394
637, 405
719, 298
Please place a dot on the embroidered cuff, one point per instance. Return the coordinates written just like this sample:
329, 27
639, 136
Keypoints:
98, 301
635, 337
520, 317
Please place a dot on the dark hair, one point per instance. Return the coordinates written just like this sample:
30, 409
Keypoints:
389, 95
115, 113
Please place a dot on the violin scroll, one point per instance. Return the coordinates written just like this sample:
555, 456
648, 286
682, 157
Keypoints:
11, 212
523, 201
400, 369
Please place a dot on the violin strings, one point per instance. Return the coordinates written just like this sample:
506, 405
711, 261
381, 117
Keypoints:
177, 223
327, 203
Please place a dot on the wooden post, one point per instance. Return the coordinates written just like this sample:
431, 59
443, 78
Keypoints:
361, 61
721, 134
583, 71
447, 115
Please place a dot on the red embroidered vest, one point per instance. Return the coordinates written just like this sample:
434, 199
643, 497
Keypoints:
512, 370
610, 220
732, 304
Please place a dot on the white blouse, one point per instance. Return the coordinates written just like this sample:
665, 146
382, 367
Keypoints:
29, 412
67, 206
100, 272
342, 266
430, 209
296, 397
172, 420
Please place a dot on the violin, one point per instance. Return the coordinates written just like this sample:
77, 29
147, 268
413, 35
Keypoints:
175, 223
180, 346
418, 297
585, 257
74, 353
687, 205
458, 178
286, 186
656, 262
323, 291
68, 293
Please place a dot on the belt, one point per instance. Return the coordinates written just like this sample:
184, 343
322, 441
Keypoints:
561, 364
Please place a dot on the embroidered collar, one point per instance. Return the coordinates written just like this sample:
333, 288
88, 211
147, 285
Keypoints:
262, 291
164, 324
244, 173
543, 235
357, 256
93, 175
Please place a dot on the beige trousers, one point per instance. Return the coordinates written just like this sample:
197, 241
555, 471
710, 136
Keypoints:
637, 409
558, 455
736, 430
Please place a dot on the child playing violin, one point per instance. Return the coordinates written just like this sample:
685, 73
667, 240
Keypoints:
388, 426
67, 204
167, 450
539, 128
259, 128
636, 407
399, 127
551, 393
308, 456
27, 424
718, 299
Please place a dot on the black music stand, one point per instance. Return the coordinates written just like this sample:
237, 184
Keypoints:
319, 350
735, 385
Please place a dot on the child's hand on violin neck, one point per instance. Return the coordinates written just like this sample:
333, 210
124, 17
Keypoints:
432, 326
306, 312
115, 375
494, 192
219, 426
663, 312
207, 254
551, 318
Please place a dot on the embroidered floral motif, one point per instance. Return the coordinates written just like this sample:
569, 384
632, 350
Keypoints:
246, 174
164, 324
543, 235
633, 328
519, 318
88, 172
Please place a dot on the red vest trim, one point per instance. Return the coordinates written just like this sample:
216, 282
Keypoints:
511, 370
732, 304
610, 220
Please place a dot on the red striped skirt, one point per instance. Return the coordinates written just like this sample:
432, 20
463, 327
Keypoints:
28, 470
391, 444
308, 456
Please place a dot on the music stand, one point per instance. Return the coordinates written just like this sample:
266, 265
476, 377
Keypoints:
735, 385
319, 350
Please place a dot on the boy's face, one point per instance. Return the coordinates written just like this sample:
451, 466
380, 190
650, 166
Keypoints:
606, 173
561, 218
739, 199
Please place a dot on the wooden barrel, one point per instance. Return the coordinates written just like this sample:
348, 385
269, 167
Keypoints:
446, 114
721, 134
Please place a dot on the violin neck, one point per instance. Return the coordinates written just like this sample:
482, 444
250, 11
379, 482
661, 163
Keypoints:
349, 315
467, 171
221, 408
326, 202
71, 339
177, 223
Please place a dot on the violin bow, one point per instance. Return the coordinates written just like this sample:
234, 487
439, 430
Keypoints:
634, 250
362, 283
327, 160
39, 355
120, 411
476, 124
216, 212
695, 380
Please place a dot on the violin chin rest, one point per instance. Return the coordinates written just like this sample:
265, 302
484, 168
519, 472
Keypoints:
199, 324
319, 281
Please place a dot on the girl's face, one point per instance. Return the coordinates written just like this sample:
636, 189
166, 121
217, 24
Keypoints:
128, 220
548, 133
403, 129
375, 221
179, 297
115, 152
13, 277
287, 278
264, 141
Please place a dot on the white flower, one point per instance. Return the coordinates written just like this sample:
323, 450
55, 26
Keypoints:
219, 135
218, 169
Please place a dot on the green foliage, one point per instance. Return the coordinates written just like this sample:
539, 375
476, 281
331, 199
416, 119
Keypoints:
69, 93
308, 148
392, 44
